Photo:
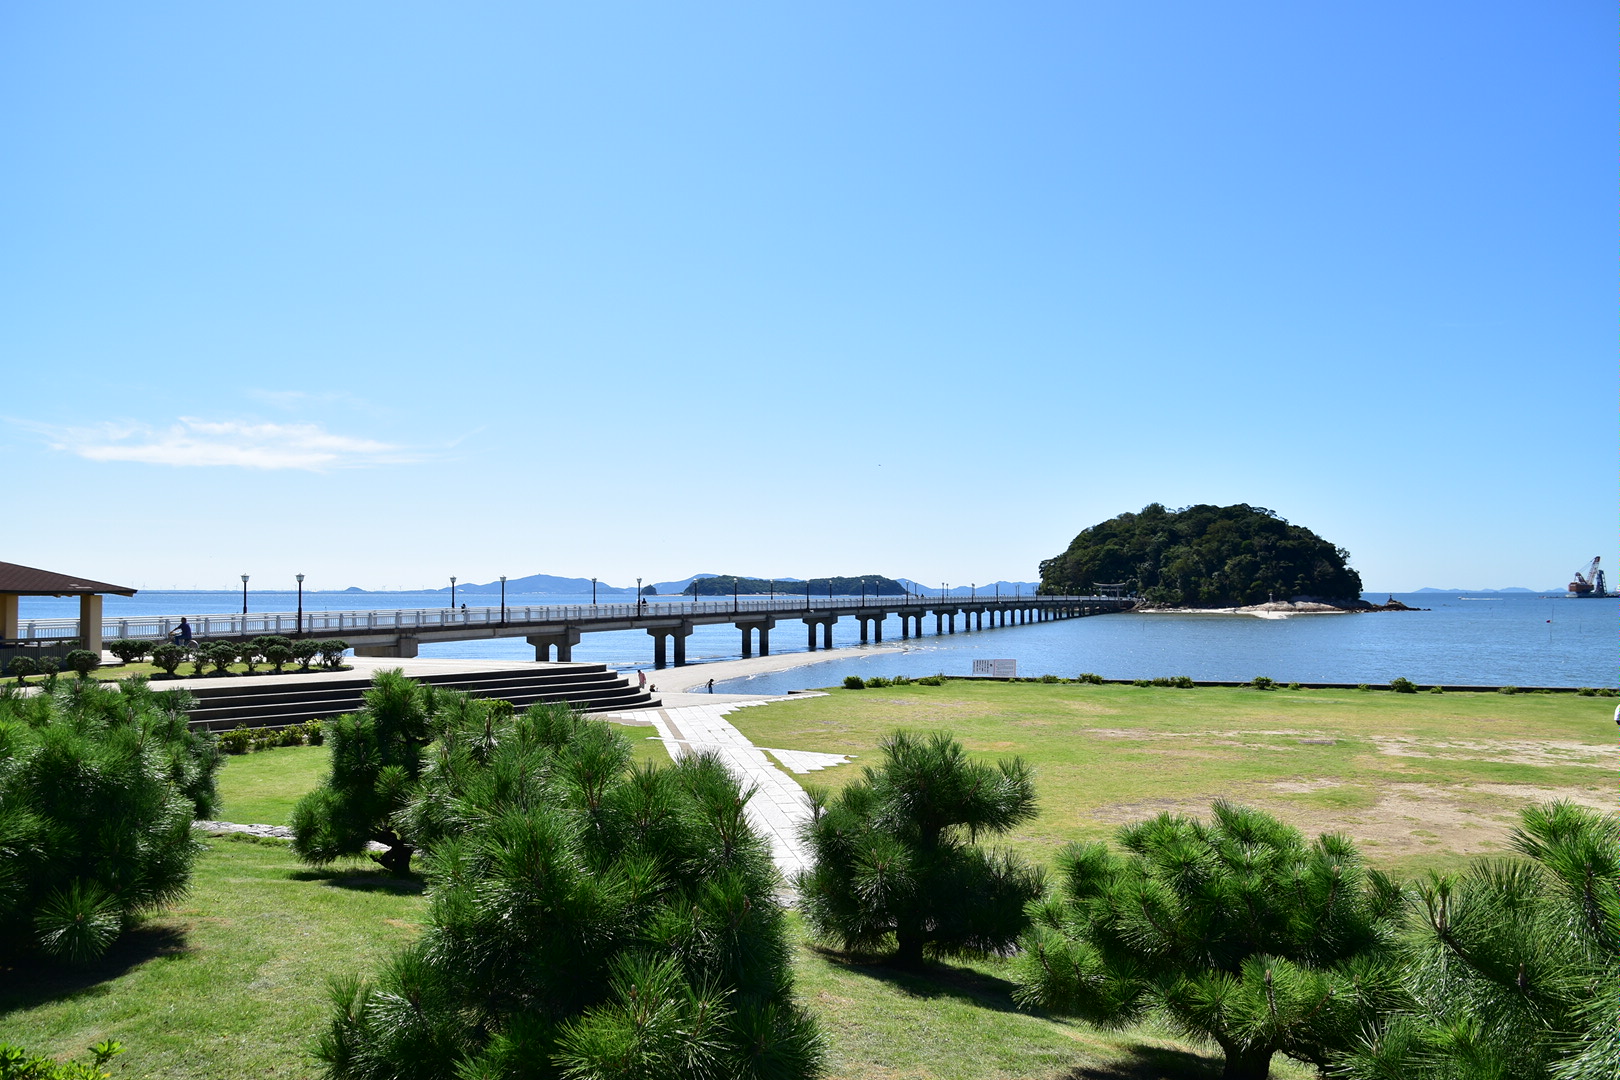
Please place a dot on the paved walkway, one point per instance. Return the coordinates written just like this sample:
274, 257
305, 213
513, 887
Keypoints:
779, 807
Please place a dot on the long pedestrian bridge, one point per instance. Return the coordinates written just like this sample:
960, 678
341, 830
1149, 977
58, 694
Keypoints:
558, 627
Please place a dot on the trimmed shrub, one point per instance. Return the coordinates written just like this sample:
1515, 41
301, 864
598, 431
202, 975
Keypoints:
877, 682
1295, 686
1402, 685
238, 740
1507, 689
1261, 682
278, 656
895, 864
98, 788
221, 654
22, 666
314, 734
168, 657
199, 657
1050, 679
854, 682
304, 650
931, 680
332, 652
129, 650
1436, 690
1090, 678
82, 661
1141, 682
248, 652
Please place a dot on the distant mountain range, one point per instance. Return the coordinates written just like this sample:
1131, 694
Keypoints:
1511, 588
550, 585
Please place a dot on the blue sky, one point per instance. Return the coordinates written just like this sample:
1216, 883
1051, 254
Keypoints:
386, 292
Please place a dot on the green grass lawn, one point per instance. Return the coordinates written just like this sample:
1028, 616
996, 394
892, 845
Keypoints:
260, 788
1418, 780
229, 982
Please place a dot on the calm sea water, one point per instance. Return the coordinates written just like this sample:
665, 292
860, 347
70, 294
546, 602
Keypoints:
1487, 639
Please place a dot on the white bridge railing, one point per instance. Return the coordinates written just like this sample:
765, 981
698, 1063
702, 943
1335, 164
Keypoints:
337, 623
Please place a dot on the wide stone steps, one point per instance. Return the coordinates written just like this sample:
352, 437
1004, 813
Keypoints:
588, 687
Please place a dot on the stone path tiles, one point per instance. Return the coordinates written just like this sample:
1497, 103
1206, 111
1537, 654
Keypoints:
806, 761
779, 807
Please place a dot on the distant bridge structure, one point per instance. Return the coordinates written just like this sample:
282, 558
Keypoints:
557, 628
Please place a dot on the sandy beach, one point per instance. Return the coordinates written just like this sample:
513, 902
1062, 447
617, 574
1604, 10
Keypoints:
1280, 609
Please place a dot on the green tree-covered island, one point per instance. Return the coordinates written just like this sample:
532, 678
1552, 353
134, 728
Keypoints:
1205, 556
730, 584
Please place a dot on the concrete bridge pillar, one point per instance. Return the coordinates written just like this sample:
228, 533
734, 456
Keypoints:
679, 633
748, 628
564, 643
871, 626
826, 624
404, 649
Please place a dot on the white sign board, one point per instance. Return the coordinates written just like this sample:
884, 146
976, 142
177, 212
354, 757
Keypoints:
1001, 669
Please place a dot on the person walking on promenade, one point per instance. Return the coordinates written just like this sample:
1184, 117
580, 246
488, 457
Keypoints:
641, 679
711, 686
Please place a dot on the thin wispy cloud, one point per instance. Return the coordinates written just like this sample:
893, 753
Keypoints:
225, 443
294, 400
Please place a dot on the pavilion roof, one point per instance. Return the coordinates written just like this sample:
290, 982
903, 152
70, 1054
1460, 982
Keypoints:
21, 580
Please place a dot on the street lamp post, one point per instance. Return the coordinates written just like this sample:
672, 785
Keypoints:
503, 599
244, 600
300, 578
452, 592
638, 595
734, 600
593, 592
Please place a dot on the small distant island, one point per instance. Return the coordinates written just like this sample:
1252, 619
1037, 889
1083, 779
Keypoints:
728, 585
1207, 557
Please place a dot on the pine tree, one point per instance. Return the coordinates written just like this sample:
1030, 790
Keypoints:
376, 759
98, 788
587, 920
1234, 931
1513, 967
896, 864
